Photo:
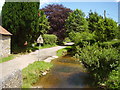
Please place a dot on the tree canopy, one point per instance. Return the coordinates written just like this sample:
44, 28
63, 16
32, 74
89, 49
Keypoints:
20, 18
76, 22
43, 24
93, 19
57, 14
104, 28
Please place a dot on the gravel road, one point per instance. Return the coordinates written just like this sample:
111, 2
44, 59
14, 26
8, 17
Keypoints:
24, 60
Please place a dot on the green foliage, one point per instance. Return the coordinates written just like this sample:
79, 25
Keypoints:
104, 28
43, 23
114, 43
32, 73
99, 61
21, 19
63, 51
114, 79
98, 48
82, 38
118, 32
50, 39
76, 22
30, 49
93, 21
67, 39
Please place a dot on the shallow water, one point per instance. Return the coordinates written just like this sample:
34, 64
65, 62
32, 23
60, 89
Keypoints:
67, 72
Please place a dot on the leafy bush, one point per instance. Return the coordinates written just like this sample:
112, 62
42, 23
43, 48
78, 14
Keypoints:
114, 79
67, 39
50, 39
99, 61
82, 38
106, 29
113, 43
64, 51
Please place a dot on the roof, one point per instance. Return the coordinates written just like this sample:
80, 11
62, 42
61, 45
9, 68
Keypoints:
4, 31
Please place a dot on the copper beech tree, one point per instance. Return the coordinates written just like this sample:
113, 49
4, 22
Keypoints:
57, 14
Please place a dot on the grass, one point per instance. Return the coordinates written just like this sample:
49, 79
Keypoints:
63, 51
47, 46
7, 58
33, 72
30, 49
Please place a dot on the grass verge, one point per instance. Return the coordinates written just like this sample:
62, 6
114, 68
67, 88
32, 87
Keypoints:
47, 46
33, 72
30, 49
7, 58
63, 51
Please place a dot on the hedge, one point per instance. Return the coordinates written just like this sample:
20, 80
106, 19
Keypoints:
50, 39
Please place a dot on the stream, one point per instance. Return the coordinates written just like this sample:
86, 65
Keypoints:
66, 72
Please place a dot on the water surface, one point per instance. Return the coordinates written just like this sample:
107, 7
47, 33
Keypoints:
67, 72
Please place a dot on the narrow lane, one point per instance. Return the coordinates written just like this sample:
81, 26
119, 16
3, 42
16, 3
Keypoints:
23, 61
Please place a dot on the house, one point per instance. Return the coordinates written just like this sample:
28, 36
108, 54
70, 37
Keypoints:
5, 42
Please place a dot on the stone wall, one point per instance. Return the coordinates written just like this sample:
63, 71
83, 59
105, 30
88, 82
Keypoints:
5, 45
0, 45
14, 80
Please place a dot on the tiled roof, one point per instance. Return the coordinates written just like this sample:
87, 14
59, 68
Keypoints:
4, 32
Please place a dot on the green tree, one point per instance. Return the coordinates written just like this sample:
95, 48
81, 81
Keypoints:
93, 19
43, 25
76, 22
106, 29
21, 19
118, 32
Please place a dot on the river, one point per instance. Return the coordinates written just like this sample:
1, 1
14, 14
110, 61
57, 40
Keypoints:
66, 72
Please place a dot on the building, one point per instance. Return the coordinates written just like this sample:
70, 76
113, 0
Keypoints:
5, 42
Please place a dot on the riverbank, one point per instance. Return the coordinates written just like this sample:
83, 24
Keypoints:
66, 72
33, 72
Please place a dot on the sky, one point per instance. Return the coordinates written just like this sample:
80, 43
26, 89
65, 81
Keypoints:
111, 6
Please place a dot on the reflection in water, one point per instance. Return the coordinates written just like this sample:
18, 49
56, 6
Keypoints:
66, 73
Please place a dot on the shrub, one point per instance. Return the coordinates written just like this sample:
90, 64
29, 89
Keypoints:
64, 51
114, 79
82, 38
99, 61
67, 39
50, 39
113, 43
